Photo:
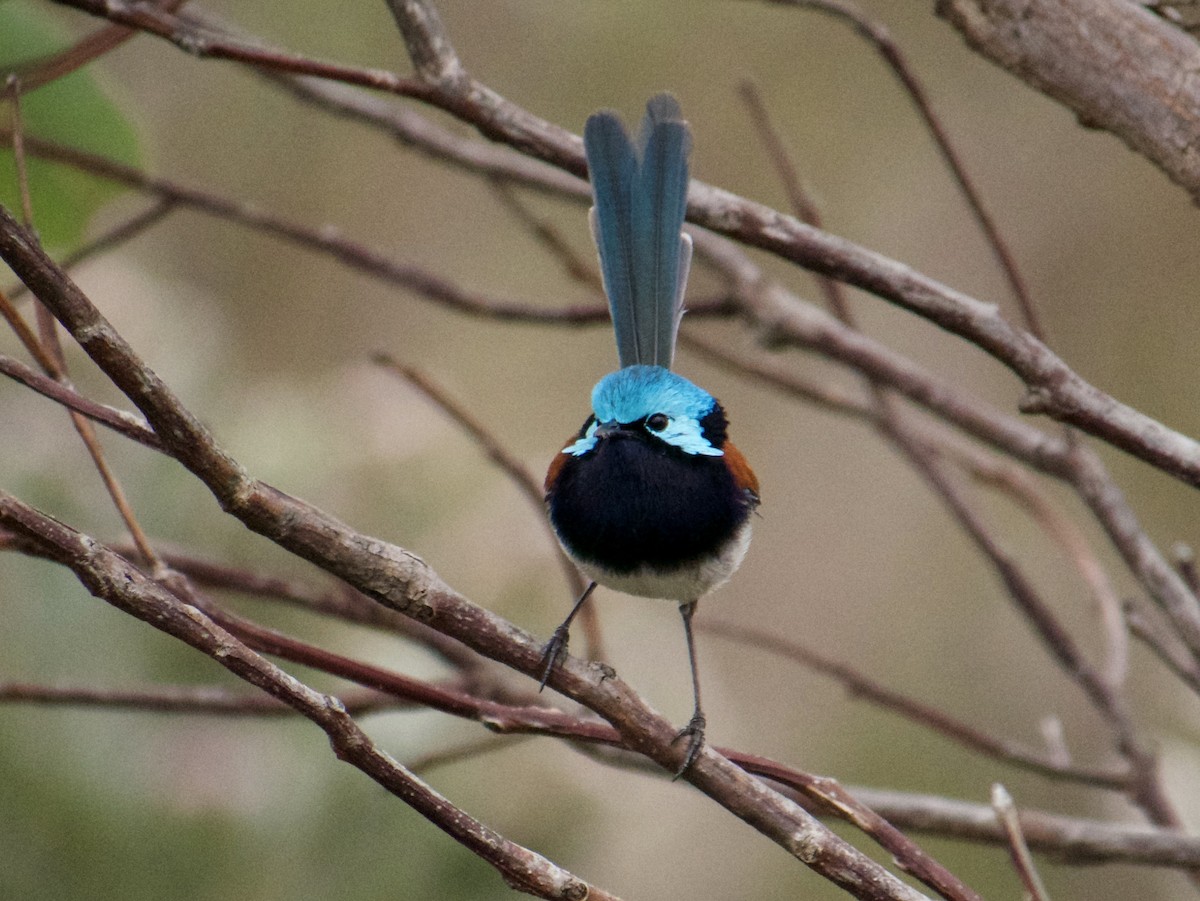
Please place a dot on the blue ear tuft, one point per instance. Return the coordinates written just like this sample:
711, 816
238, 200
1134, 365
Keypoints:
640, 201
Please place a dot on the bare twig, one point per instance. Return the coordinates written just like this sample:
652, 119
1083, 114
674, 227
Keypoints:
581, 271
37, 72
1069, 839
518, 474
399, 579
127, 424
112, 238
467, 751
327, 240
49, 342
122, 585
1053, 388
1185, 561
878, 36
189, 699
1006, 815
339, 601
198, 39
861, 686
517, 471
832, 797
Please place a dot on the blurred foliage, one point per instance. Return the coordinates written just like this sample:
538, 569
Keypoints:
73, 110
268, 345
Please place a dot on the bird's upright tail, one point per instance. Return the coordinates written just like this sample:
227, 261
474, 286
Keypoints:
640, 199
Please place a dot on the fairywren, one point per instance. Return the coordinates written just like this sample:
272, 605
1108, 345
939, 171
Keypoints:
650, 497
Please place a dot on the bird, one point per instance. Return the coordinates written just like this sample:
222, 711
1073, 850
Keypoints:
650, 497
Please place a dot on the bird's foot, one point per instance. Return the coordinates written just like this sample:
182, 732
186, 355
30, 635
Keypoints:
694, 732
556, 650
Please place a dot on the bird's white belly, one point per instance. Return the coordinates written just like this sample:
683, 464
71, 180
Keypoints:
683, 584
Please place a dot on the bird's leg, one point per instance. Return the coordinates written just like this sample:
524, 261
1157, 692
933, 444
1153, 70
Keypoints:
556, 647
694, 730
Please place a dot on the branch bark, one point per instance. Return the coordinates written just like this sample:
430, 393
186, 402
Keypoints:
1052, 387
121, 584
402, 581
1113, 63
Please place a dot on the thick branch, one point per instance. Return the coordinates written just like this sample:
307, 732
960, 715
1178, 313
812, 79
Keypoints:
1053, 387
401, 580
121, 584
1117, 66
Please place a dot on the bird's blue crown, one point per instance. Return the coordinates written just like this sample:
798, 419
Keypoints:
639, 392
650, 498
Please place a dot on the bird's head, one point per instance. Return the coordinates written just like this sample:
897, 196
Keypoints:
653, 404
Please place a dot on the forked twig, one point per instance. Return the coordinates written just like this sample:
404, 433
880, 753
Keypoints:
398, 579
52, 358
878, 36
111, 578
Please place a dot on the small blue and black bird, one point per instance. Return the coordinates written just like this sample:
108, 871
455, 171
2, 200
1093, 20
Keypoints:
650, 497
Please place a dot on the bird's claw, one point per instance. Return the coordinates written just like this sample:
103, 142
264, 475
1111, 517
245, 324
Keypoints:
556, 649
694, 731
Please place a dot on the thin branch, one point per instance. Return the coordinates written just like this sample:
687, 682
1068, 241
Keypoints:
1018, 485
402, 581
127, 424
12, 93
831, 797
417, 132
116, 581
322, 239
878, 36
38, 72
1185, 562
466, 751
579, 270
1006, 815
114, 237
340, 601
1072, 840
519, 474
861, 686
327, 240
49, 341
198, 39
188, 699
1053, 388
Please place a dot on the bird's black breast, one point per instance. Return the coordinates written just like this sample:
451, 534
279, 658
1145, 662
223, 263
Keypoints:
635, 501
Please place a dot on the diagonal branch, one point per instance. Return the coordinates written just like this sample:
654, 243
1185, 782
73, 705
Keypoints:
1052, 387
121, 584
401, 580
1114, 64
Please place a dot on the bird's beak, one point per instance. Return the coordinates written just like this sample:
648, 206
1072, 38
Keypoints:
604, 429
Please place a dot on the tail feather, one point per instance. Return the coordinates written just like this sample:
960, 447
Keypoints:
640, 201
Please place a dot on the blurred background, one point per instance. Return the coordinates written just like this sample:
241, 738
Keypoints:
271, 347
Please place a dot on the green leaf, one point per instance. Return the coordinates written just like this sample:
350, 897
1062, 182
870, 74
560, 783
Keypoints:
73, 110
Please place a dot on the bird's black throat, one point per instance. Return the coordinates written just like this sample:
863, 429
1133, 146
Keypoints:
635, 501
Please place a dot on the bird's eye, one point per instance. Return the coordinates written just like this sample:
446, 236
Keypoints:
657, 422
